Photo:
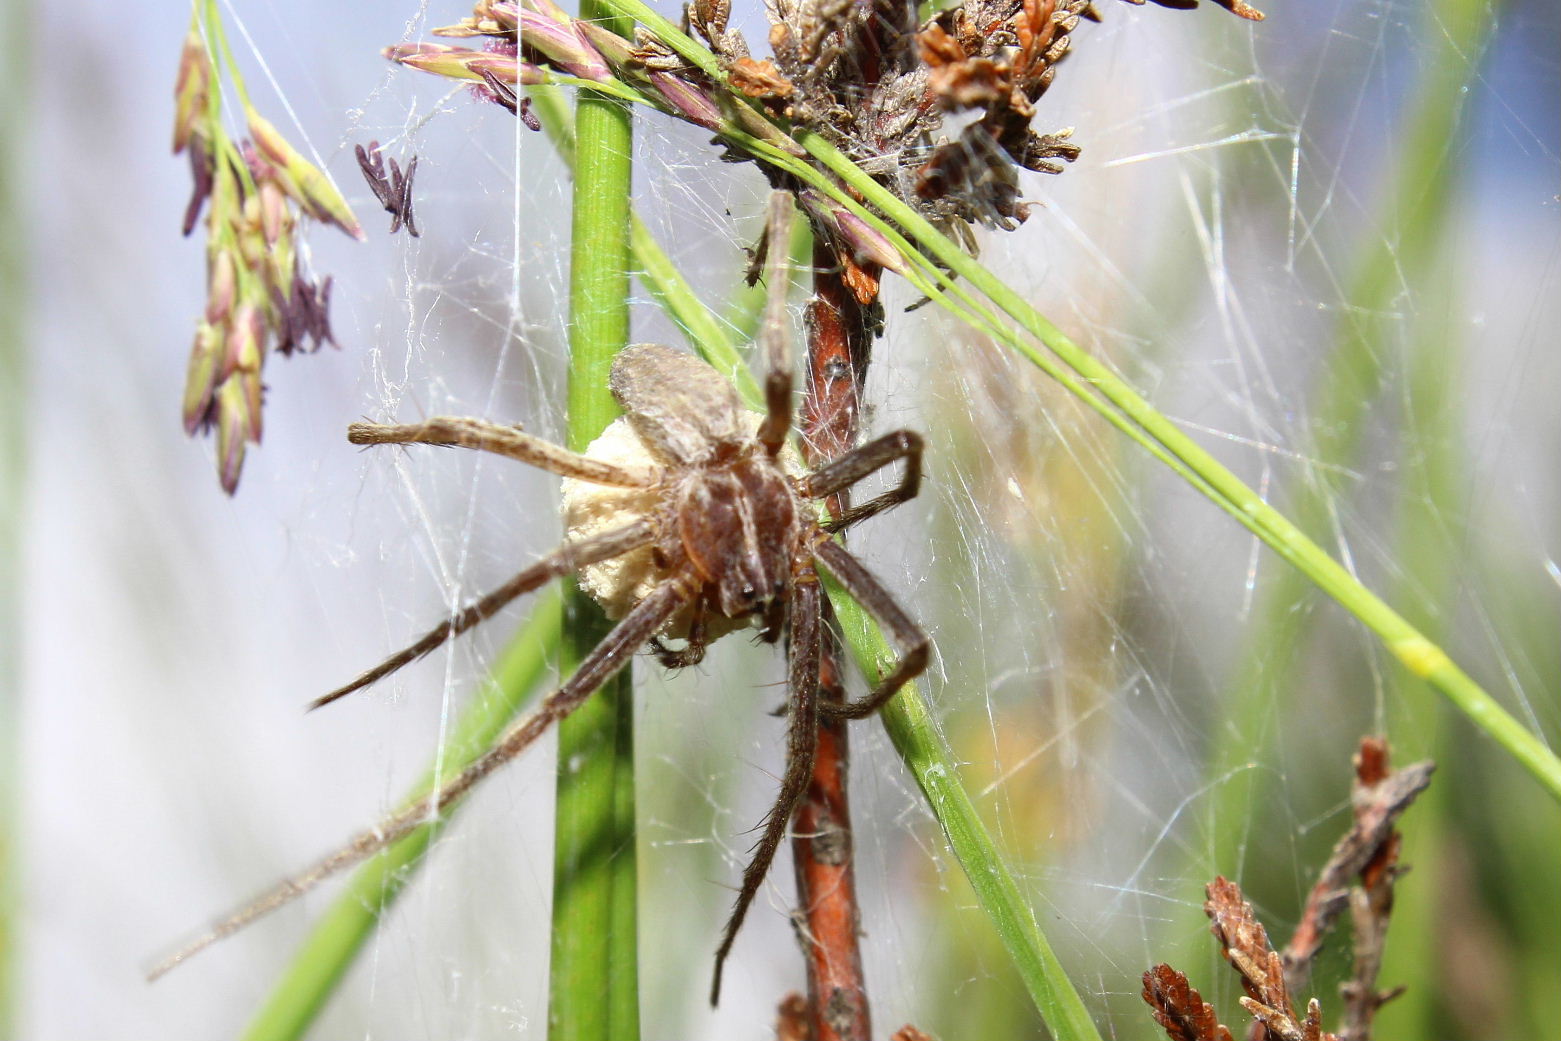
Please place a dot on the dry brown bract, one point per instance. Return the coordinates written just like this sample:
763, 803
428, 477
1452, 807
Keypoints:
724, 533
393, 189
1367, 853
1245, 944
1180, 1009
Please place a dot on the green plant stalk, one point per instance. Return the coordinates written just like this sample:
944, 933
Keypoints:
1423, 658
14, 77
674, 295
340, 933
217, 38
221, 55
909, 722
594, 974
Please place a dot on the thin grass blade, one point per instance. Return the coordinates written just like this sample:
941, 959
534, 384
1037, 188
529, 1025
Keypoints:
594, 976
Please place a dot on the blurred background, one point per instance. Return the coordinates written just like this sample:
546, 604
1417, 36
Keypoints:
1327, 245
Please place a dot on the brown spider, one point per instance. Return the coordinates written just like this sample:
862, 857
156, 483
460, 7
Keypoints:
690, 517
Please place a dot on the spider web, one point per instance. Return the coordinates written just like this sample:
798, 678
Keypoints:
1099, 626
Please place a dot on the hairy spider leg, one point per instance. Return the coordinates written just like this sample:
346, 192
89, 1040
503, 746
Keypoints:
512, 443
609, 656
508, 441
773, 339
693, 652
856, 464
571, 556
913, 643
801, 737
807, 599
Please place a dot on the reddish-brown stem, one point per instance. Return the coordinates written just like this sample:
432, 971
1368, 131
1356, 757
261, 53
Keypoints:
839, 342
839, 335
826, 885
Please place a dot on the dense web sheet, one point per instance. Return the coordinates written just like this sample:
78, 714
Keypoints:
1141, 696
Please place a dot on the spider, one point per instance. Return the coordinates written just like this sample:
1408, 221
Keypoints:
688, 518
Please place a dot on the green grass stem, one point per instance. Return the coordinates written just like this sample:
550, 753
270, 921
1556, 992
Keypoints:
594, 974
909, 722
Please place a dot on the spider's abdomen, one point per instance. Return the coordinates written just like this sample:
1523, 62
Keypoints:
617, 583
739, 526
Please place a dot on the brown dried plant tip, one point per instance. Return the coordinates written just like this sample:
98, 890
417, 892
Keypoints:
996, 57
1360, 875
1179, 1008
1368, 853
394, 191
791, 1019
688, 518
1244, 942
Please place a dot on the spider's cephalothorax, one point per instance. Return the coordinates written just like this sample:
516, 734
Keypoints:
689, 517
730, 515
739, 524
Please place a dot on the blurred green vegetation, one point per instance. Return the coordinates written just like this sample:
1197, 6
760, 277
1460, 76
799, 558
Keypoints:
1473, 934
14, 80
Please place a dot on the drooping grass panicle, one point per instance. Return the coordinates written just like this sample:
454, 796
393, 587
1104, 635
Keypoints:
260, 295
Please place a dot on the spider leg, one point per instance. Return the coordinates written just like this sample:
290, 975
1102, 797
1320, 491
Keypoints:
694, 652
801, 736
571, 556
500, 440
773, 338
913, 643
612, 654
857, 464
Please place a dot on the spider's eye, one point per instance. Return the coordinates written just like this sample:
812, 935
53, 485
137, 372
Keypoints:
749, 592
779, 588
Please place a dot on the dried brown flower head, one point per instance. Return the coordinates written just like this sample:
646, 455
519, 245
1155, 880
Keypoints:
1367, 853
